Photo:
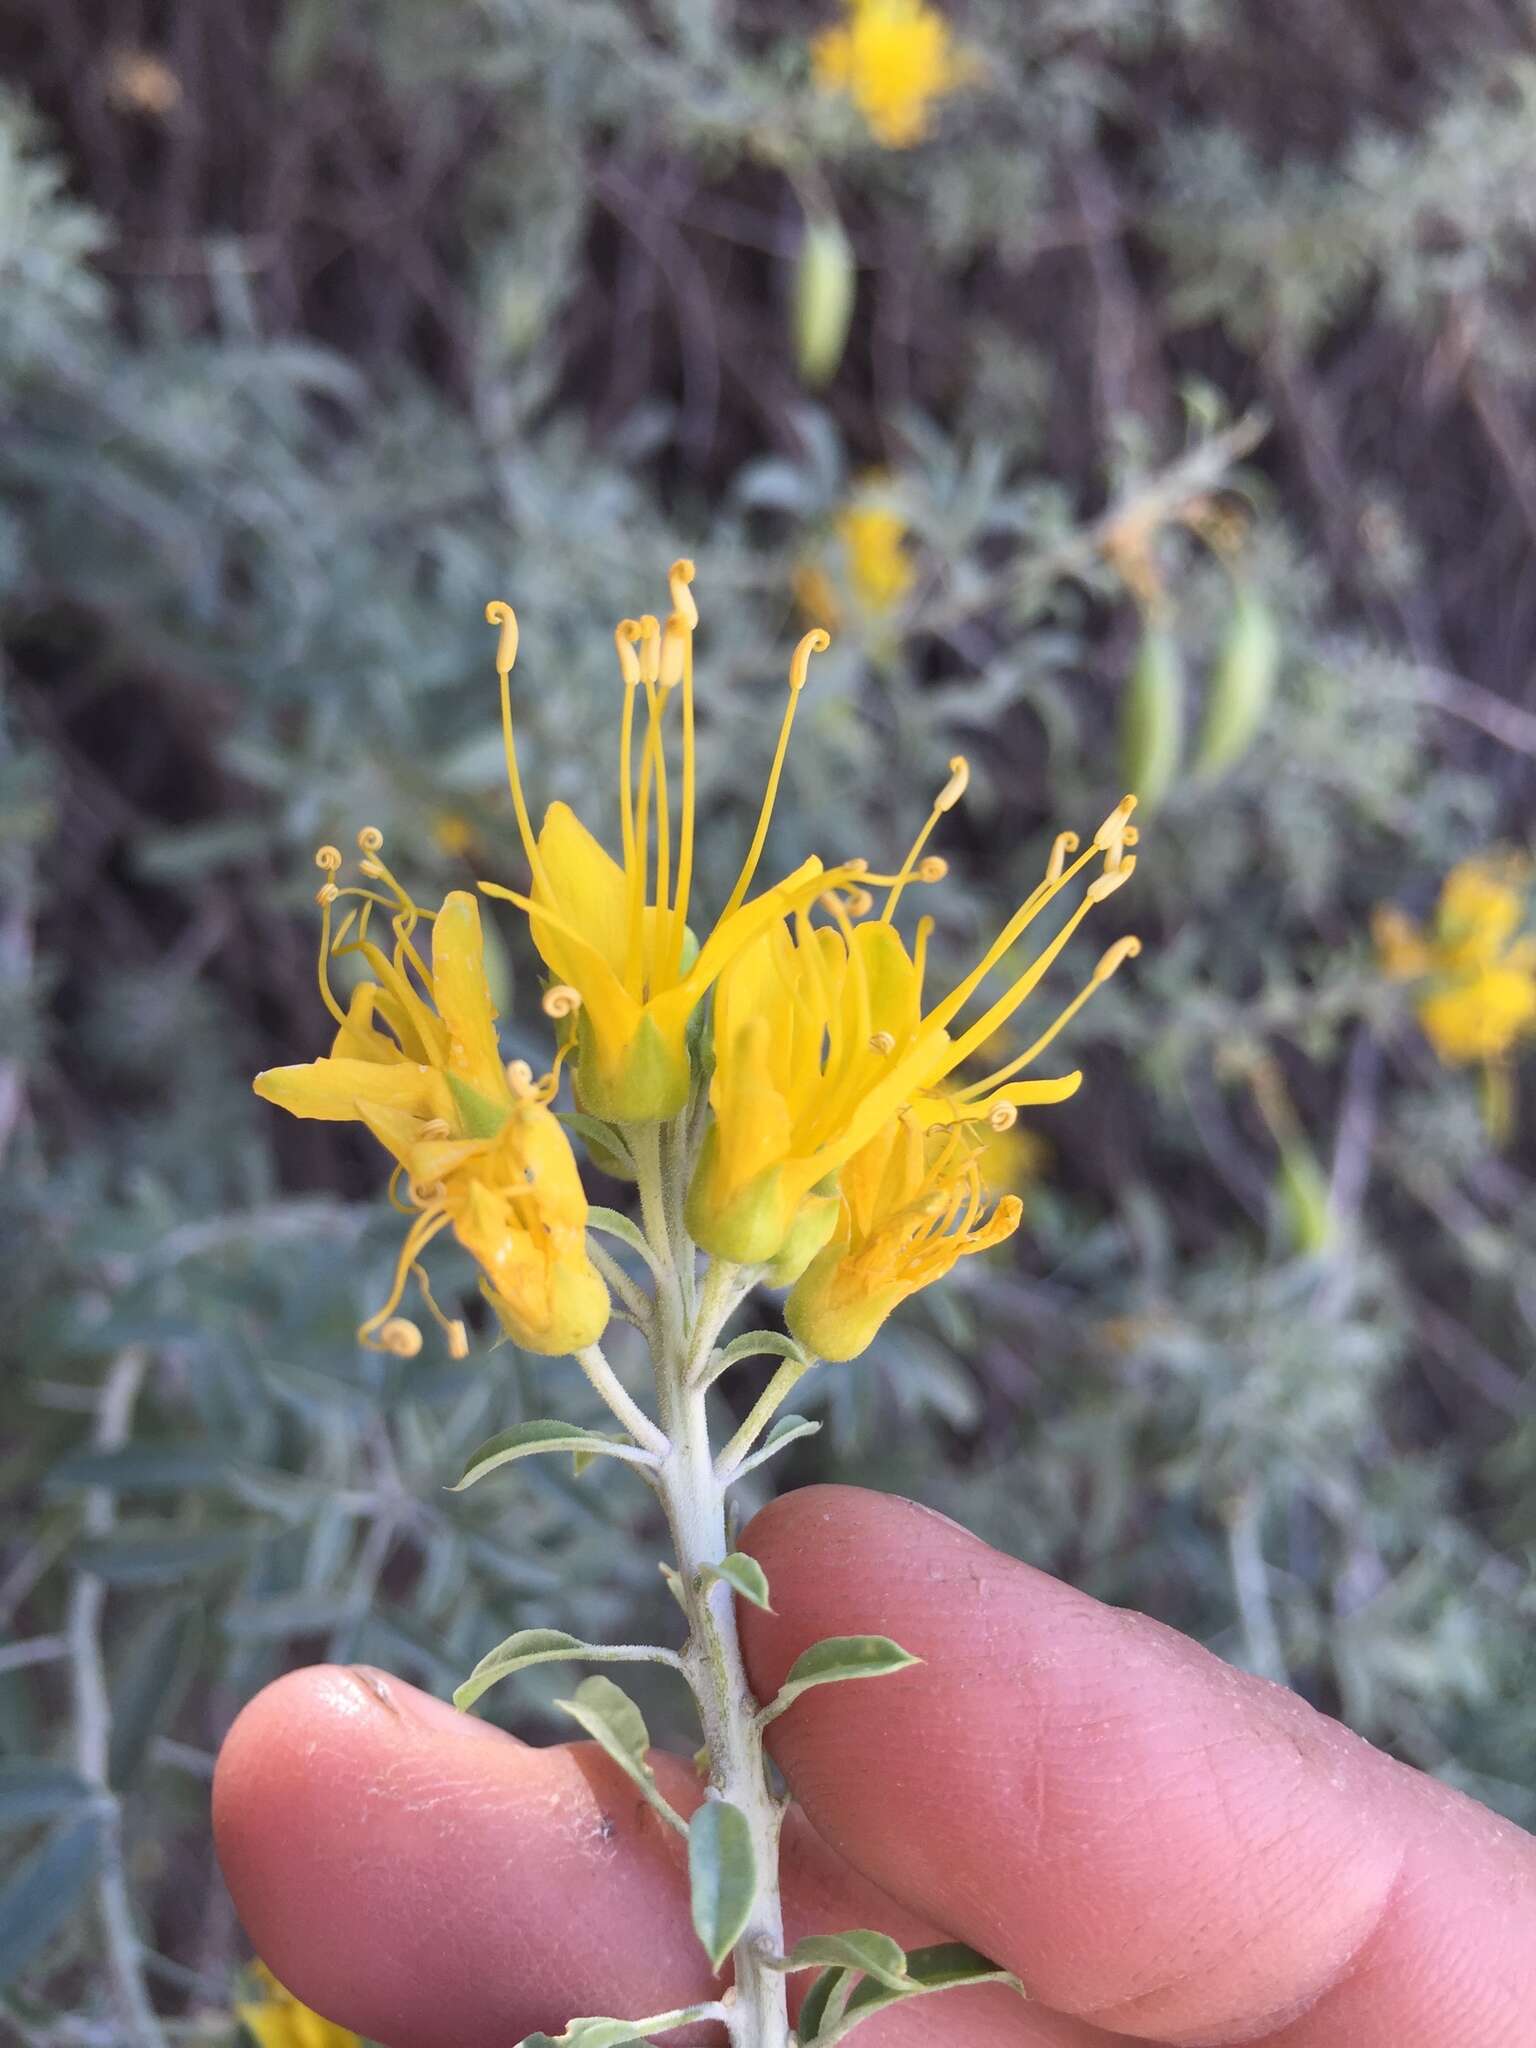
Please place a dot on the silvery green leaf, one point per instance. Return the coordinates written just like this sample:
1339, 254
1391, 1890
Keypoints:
529, 1439
756, 1344
614, 1223
42, 1891
784, 1431
947, 1966
877, 1955
744, 1575
837, 1658
600, 2033
722, 1873
32, 1789
548, 1646
617, 1726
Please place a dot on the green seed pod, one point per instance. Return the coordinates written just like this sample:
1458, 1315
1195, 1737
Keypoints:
1152, 717
1305, 1208
825, 283
1242, 684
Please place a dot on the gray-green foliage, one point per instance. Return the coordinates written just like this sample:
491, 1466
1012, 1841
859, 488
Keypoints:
248, 533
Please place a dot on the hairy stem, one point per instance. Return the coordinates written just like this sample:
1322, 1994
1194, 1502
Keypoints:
693, 1497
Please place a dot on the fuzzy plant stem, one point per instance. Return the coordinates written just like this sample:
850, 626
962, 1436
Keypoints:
692, 1494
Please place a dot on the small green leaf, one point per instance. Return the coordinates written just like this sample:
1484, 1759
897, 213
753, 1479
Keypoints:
597, 2033
529, 1439
617, 1726
947, 1966
480, 1116
743, 1574
813, 2007
32, 1789
877, 1955
614, 1223
42, 1892
755, 1344
608, 1151
834, 1659
722, 1872
784, 1431
547, 1646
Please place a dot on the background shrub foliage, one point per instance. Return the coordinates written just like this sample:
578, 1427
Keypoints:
321, 321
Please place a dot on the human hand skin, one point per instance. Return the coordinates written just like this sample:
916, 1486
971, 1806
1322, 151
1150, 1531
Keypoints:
1162, 1847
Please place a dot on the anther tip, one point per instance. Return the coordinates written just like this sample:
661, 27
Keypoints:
400, 1337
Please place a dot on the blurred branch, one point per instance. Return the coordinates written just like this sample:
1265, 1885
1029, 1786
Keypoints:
93, 1720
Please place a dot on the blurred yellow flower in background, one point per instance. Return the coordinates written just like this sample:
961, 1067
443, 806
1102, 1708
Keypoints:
279, 2020
1475, 964
1012, 1159
895, 59
868, 558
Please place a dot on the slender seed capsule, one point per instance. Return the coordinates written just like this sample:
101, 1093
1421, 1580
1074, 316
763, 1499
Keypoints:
825, 284
1152, 716
1301, 1189
1242, 684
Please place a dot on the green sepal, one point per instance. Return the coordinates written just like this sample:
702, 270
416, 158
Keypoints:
480, 1116
832, 1661
722, 1876
649, 1083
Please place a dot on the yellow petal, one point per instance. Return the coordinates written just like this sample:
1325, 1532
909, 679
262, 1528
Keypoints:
463, 998
590, 892
331, 1090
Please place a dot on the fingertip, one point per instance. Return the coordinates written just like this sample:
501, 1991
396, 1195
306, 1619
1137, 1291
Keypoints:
425, 1879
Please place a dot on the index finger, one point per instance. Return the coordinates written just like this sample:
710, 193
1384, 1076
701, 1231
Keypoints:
1150, 1838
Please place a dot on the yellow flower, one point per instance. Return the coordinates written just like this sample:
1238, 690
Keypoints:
616, 933
415, 1058
1012, 1159
1476, 970
876, 568
278, 2020
453, 833
821, 1038
895, 59
912, 1205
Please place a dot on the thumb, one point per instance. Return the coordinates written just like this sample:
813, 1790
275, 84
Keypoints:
1148, 1837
